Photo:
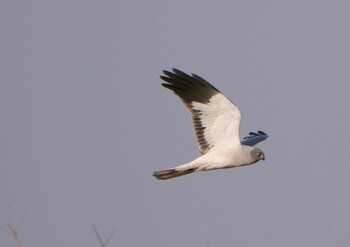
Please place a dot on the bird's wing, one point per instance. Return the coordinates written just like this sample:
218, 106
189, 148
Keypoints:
254, 138
215, 118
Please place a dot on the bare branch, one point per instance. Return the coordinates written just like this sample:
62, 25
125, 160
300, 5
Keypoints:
110, 237
12, 229
98, 236
103, 244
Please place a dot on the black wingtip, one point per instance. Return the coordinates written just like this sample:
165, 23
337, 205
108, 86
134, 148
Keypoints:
168, 73
262, 132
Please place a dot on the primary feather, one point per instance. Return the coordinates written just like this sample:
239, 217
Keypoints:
215, 119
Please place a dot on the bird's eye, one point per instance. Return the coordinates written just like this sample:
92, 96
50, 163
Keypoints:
258, 154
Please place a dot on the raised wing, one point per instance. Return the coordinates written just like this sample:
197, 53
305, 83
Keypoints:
254, 138
215, 118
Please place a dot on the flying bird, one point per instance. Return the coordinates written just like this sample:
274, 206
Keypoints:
216, 122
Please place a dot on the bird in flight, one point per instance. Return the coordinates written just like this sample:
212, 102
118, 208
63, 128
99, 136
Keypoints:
216, 122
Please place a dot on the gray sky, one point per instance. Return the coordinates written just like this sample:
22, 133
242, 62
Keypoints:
85, 122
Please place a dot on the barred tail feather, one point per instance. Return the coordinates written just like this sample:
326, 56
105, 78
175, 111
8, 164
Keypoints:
171, 173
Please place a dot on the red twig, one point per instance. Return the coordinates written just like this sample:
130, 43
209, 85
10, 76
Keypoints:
12, 229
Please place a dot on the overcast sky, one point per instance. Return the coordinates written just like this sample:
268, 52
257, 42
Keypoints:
85, 122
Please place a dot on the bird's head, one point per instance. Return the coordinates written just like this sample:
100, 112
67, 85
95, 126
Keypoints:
257, 154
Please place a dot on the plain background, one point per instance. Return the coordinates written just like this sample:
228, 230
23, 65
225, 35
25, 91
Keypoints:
85, 122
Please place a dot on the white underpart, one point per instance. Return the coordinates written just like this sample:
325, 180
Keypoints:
225, 157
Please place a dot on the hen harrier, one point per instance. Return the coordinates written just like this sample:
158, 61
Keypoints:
216, 123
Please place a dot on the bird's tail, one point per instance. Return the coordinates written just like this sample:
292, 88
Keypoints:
171, 173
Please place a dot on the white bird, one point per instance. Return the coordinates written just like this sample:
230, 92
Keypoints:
216, 123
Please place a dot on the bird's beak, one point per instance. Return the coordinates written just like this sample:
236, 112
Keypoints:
263, 158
